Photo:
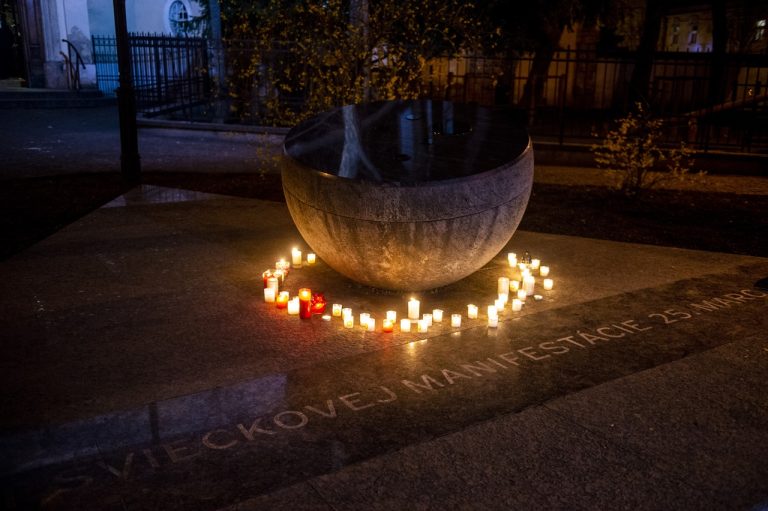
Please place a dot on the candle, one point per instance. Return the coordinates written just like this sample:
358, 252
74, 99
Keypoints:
512, 259
371, 324
521, 295
282, 264
282, 299
364, 316
548, 283
503, 286
492, 311
522, 266
269, 295
535, 263
427, 318
346, 311
517, 305
318, 303
525, 273
413, 308
472, 311
422, 326
405, 325
311, 258
280, 275
504, 297
388, 325
493, 321
499, 304
528, 283
293, 306
305, 303
514, 285
265, 276
296, 258
349, 321
437, 315
272, 282
543, 271
336, 310
326, 317
455, 320
392, 316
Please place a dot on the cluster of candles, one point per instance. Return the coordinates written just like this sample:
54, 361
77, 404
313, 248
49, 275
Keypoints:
306, 303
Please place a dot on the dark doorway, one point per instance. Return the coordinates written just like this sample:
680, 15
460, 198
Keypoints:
11, 44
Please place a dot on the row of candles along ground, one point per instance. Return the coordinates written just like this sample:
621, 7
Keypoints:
306, 303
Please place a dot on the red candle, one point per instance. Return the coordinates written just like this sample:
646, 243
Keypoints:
266, 276
305, 303
318, 303
282, 299
387, 326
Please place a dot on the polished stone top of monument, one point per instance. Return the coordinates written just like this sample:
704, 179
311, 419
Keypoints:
407, 142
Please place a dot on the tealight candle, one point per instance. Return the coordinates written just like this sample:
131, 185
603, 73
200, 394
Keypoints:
282, 264
364, 316
535, 263
405, 325
282, 299
296, 258
437, 315
512, 259
272, 282
269, 295
517, 305
522, 266
336, 310
265, 276
346, 311
422, 326
326, 317
521, 294
514, 285
472, 311
387, 325
503, 286
371, 324
543, 271
493, 321
413, 308
499, 304
525, 273
305, 303
349, 321
548, 283
492, 311
504, 297
392, 316
528, 284
311, 258
293, 306
455, 320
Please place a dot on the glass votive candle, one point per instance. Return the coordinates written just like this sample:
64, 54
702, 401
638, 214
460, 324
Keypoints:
514, 285
311, 258
472, 311
512, 259
293, 306
492, 311
346, 311
371, 324
364, 316
455, 320
392, 316
336, 309
422, 326
543, 271
499, 304
437, 315
548, 283
517, 305
493, 321
296, 258
521, 295
504, 297
282, 299
269, 295
349, 321
387, 325
405, 325
427, 318
503, 285
535, 263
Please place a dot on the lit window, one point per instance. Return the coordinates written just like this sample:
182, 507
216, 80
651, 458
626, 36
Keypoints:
693, 35
178, 18
760, 30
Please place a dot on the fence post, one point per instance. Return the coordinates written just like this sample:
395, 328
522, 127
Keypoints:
130, 164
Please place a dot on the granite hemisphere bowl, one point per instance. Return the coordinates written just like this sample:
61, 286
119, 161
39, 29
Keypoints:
407, 195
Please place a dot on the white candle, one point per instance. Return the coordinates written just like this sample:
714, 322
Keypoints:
349, 321
282, 264
472, 311
528, 284
371, 324
525, 273
437, 315
293, 306
296, 258
492, 311
514, 285
517, 305
423, 326
504, 297
503, 286
455, 320
269, 295
512, 259
493, 321
405, 325
427, 318
521, 295
413, 308
364, 317
326, 317
346, 311
548, 283
336, 308
543, 271
499, 304
392, 316
311, 258
535, 263
273, 283
522, 266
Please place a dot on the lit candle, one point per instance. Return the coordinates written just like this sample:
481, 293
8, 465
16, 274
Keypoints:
522, 266
472, 311
493, 321
364, 316
503, 286
427, 318
514, 285
326, 317
535, 263
336, 310
504, 297
305, 303
492, 311
269, 295
405, 325
371, 324
388, 325
437, 315
280, 274
423, 326
282, 264
296, 258
548, 283
517, 305
349, 321
512, 259
293, 306
282, 299
528, 284
413, 308
455, 320
521, 294
525, 273
499, 304
311, 258
346, 311
272, 282
392, 316
265, 276
543, 271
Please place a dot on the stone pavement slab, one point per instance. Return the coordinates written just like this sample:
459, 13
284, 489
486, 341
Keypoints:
143, 370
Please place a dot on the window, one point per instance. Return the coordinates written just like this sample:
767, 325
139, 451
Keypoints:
760, 29
178, 18
675, 32
693, 35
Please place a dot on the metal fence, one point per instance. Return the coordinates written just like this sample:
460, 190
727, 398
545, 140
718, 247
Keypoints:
169, 73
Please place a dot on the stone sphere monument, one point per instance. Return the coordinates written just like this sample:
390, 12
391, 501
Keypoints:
407, 195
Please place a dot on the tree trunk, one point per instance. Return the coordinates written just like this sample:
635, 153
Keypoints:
641, 75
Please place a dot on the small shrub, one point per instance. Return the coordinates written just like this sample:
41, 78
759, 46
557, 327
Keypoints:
633, 151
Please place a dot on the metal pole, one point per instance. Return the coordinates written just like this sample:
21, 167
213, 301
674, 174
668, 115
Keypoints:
130, 164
